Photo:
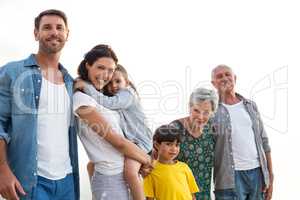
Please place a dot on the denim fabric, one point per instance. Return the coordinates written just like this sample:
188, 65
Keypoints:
54, 189
227, 194
109, 187
223, 163
20, 84
249, 184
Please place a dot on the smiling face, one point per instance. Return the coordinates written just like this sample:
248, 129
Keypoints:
101, 71
117, 82
167, 151
200, 113
52, 34
223, 79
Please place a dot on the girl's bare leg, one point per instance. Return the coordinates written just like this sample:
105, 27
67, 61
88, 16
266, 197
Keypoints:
131, 174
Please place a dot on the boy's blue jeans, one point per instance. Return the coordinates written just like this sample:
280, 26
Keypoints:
248, 186
62, 189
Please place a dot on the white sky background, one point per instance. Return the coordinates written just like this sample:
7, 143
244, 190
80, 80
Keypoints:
170, 47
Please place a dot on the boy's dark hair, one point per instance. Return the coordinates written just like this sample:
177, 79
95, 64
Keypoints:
99, 51
58, 13
167, 133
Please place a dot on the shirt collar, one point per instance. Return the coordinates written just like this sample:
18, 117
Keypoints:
245, 101
32, 62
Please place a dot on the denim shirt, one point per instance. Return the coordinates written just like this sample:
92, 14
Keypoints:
224, 164
20, 85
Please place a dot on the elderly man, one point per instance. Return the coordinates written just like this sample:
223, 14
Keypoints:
243, 165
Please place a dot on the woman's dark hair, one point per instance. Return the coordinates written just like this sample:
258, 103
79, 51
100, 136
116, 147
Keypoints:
99, 51
121, 69
167, 133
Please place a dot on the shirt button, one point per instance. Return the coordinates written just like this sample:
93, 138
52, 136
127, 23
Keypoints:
39, 81
22, 90
36, 97
232, 166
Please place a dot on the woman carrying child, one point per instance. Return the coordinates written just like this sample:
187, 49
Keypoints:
101, 128
122, 97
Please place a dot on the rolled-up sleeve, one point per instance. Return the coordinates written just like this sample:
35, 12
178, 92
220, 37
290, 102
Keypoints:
5, 104
265, 139
262, 131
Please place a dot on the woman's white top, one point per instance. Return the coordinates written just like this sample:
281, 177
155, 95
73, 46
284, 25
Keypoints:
107, 159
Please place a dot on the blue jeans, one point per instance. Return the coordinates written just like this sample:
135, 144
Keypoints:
248, 186
62, 189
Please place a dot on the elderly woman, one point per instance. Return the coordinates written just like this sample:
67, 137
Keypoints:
197, 146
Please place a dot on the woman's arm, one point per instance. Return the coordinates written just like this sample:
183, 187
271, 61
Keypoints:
95, 121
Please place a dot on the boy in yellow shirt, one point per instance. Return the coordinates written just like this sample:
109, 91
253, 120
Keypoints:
170, 179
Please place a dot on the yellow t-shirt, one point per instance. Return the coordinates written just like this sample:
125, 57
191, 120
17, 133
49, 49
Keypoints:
170, 182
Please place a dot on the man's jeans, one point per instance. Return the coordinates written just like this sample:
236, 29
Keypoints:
62, 189
248, 186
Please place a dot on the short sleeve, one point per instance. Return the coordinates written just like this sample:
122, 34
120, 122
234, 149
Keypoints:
148, 186
191, 180
81, 99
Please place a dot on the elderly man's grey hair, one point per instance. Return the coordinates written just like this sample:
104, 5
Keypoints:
217, 67
203, 94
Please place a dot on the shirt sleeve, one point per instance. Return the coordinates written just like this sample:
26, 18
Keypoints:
191, 180
5, 104
261, 128
122, 100
149, 186
80, 99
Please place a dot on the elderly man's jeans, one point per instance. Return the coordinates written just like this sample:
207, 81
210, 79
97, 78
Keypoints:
248, 186
62, 189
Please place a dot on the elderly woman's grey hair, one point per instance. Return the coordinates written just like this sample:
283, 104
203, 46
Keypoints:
203, 94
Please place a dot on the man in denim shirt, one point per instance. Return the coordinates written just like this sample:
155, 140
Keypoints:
38, 148
243, 166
